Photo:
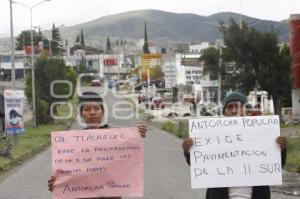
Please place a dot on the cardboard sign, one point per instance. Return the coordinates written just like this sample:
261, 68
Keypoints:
235, 151
14, 102
97, 163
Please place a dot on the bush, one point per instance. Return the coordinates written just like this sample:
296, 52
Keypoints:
48, 70
42, 116
293, 155
149, 116
183, 129
170, 127
180, 129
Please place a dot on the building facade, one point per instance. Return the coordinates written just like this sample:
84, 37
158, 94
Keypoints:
295, 54
21, 64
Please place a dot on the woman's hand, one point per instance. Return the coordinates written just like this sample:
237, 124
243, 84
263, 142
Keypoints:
187, 144
51, 183
142, 128
282, 142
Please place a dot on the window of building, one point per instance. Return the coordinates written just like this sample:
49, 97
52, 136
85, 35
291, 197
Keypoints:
6, 59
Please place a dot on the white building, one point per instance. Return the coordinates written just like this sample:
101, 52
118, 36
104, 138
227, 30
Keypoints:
206, 91
186, 69
170, 71
104, 64
193, 75
197, 48
261, 97
6, 64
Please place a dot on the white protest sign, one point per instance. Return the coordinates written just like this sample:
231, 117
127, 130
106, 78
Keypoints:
235, 151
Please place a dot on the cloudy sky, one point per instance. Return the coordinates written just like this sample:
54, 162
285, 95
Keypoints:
70, 12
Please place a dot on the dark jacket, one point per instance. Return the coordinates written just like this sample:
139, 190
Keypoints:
102, 126
258, 192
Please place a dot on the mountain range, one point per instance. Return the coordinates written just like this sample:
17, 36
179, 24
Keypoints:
164, 27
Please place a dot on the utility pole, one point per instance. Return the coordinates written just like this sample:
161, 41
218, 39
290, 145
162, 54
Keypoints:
32, 74
219, 75
220, 26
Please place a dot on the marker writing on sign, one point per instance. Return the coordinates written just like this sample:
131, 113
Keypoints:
227, 139
97, 137
255, 122
199, 156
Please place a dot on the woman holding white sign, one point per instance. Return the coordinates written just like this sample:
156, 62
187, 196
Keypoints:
92, 112
234, 106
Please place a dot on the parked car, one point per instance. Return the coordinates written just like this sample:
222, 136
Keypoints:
96, 82
156, 102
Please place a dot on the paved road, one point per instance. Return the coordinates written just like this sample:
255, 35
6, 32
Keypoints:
166, 173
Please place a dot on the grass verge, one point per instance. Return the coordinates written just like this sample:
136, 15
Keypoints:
294, 126
35, 140
293, 155
179, 129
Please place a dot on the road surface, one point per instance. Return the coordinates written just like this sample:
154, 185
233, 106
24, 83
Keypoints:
166, 173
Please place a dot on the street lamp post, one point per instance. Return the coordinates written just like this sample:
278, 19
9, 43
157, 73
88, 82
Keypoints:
13, 74
32, 59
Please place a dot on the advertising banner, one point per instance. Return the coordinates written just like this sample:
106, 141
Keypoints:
14, 103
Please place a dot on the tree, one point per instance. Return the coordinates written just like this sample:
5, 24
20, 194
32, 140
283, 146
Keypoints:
39, 36
77, 40
163, 50
211, 58
108, 46
274, 70
46, 43
48, 70
259, 60
146, 47
240, 43
82, 43
24, 39
285, 57
56, 39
